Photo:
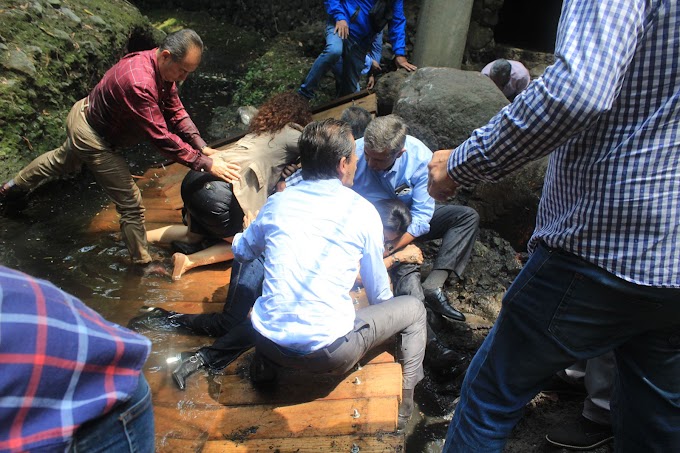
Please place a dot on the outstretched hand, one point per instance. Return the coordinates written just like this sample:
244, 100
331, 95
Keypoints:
227, 171
439, 185
402, 62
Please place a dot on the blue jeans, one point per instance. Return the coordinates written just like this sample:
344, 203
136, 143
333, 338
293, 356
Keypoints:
352, 63
245, 287
561, 309
128, 427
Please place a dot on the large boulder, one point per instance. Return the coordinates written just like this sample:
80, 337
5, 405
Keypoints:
449, 101
453, 103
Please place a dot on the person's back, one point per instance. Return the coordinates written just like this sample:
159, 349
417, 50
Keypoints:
69, 377
313, 243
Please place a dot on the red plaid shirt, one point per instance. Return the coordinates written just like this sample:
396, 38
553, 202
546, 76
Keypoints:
61, 364
132, 102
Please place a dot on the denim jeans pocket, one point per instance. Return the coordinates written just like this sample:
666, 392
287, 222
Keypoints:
138, 423
594, 317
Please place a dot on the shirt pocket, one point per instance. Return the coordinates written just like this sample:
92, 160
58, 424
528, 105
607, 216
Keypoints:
255, 177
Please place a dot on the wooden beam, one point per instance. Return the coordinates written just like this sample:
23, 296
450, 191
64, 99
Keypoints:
383, 380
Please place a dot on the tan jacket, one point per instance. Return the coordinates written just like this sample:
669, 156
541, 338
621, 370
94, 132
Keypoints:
261, 157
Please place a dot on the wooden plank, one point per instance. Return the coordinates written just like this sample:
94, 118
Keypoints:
369, 103
165, 444
315, 418
383, 442
104, 219
292, 386
186, 421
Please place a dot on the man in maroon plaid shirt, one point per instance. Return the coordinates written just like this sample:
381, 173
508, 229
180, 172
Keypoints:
70, 379
137, 98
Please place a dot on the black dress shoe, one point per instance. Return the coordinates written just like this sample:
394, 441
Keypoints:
581, 435
156, 318
437, 302
439, 357
186, 368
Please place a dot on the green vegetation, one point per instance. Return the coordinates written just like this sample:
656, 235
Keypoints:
49, 59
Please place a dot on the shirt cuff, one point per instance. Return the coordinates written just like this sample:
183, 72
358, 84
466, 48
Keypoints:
202, 163
418, 229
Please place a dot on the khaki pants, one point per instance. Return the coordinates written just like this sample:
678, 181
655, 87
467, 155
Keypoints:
84, 146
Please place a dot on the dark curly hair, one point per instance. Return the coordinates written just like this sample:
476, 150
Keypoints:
280, 110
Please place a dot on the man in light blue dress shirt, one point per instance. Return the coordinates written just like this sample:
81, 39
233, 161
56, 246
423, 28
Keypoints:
316, 237
393, 165
604, 272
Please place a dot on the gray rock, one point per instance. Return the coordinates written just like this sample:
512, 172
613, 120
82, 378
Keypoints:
451, 102
246, 114
97, 20
34, 51
37, 8
71, 15
16, 60
61, 34
387, 89
3, 46
54, 3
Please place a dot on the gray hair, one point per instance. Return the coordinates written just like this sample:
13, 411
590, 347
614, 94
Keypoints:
500, 72
385, 134
179, 43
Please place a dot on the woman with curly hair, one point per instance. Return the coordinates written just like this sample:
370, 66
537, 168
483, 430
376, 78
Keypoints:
215, 209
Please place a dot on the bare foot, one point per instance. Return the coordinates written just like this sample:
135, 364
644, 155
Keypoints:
181, 263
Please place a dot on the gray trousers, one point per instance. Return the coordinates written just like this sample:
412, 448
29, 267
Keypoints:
598, 376
457, 227
84, 145
403, 316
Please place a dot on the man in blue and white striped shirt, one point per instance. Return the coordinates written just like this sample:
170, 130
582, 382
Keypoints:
605, 267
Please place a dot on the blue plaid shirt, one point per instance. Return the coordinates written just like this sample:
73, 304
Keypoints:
61, 364
608, 113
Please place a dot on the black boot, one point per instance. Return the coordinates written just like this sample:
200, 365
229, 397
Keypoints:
186, 368
156, 318
439, 357
405, 408
437, 302
12, 198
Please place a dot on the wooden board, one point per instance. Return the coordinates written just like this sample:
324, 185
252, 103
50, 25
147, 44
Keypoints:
315, 418
369, 103
370, 381
382, 442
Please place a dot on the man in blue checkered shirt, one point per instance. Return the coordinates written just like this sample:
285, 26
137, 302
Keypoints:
604, 273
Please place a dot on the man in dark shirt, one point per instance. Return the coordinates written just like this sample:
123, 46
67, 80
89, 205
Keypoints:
137, 98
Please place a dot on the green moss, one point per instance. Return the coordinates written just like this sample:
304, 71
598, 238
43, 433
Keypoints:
281, 68
70, 60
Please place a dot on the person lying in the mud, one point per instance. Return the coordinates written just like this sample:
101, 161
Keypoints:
137, 98
214, 208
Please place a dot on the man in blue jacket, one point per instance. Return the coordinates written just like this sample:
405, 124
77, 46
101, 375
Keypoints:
349, 35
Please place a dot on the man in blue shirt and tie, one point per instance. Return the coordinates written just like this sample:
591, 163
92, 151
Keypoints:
392, 164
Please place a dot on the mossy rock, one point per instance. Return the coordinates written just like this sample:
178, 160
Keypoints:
69, 58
